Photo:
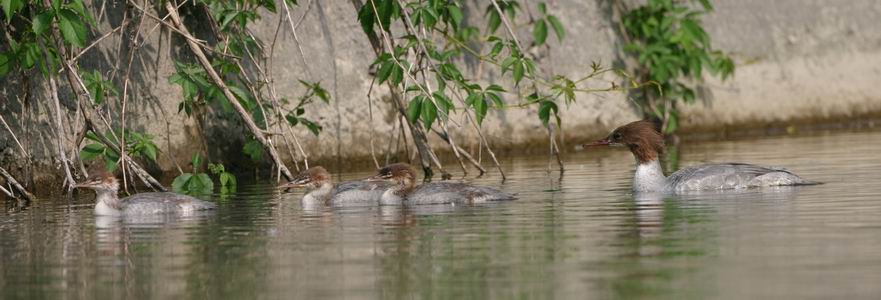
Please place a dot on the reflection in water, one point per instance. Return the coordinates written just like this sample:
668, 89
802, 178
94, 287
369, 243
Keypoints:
583, 235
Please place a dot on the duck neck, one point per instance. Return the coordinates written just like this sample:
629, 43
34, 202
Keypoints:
322, 193
649, 176
107, 203
396, 194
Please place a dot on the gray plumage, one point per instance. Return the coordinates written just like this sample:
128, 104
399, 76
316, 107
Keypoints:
455, 192
158, 203
722, 176
358, 193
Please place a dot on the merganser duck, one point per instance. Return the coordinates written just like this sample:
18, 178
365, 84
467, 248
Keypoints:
106, 186
405, 190
321, 190
646, 143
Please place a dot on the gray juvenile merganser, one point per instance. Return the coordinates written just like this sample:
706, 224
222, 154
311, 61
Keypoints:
646, 143
322, 191
106, 186
406, 191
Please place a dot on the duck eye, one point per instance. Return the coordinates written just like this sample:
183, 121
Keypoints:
616, 136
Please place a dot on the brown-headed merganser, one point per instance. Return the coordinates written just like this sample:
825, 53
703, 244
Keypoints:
405, 190
106, 186
646, 143
321, 190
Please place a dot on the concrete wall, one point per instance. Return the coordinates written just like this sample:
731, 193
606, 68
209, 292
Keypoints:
795, 59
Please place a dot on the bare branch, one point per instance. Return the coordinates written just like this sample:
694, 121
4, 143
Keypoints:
246, 118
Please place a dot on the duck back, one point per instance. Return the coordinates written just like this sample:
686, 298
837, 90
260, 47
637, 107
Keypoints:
455, 192
358, 193
722, 176
158, 203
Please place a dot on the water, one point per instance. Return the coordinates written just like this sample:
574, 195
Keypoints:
580, 236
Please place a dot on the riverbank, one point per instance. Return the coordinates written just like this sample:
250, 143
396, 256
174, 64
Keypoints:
797, 63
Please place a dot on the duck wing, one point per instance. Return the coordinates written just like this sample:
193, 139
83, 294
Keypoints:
721, 176
455, 192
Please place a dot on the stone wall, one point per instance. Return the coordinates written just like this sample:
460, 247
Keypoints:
795, 59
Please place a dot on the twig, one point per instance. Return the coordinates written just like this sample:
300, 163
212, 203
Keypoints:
372, 129
7, 192
467, 156
206, 64
131, 57
554, 150
296, 39
11, 180
77, 85
20, 147
187, 36
53, 91
93, 44
394, 136
443, 121
419, 138
483, 140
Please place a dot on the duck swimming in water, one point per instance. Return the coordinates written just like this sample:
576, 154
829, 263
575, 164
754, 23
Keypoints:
321, 190
106, 186
646, 143
404, 189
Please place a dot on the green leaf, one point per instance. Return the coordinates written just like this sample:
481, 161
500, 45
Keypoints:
493, 22
197, 161
496, 99
312, 126
495, 88
224, 179
507, 63
518, 72
385, 11
321, 92
540, 32
32, 55
205, 184
397, 75
243, 96
91, 151
72, 28
672, 123
497, 48
77, 5
544, 111
6, 63
455, 14
11, 7
253, 149
480, 109
180, 182
414, 108
542, 8
150, 151
429, 113
559, 30
366, 18
42, 22
385, 71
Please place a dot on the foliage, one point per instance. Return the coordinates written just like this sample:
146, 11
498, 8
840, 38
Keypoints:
295, 116
193, 183
231, 20
540, 29
98, 87
30, 24
672, 46
227, 179
435, 44
138, 145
